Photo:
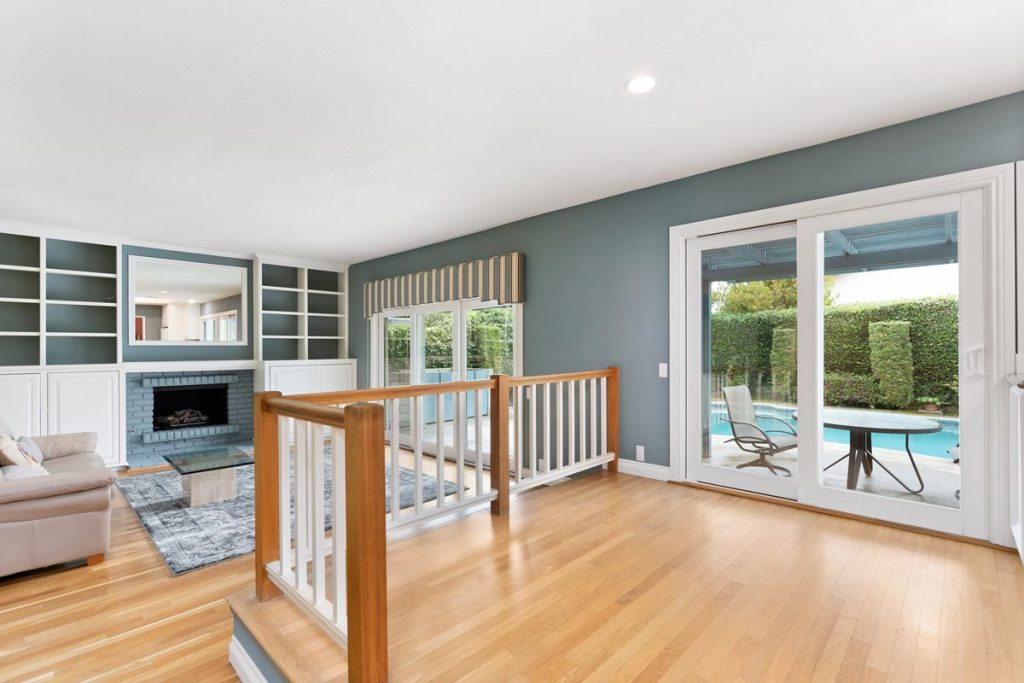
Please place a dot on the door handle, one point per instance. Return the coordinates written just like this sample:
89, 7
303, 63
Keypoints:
974, 359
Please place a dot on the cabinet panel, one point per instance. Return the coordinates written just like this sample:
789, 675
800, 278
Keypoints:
86, 402
291, 379
20, 405
339, 377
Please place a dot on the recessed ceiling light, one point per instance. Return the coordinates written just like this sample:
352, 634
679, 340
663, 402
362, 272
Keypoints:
638, 85
163, 291
191, 301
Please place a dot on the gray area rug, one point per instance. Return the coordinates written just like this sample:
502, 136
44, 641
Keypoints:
190, 538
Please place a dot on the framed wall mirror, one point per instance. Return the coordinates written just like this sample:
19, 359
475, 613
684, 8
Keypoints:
181, 302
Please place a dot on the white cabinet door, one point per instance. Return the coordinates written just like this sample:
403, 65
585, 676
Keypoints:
334, 377
291, 379
20, 406
86, 402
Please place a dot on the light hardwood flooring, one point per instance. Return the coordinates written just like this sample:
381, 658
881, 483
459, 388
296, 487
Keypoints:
604, 578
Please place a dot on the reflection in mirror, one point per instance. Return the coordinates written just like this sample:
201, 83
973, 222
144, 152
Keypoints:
177, 301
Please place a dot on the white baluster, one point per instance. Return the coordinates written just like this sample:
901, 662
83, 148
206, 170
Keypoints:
316, 447
583, 419
301, 504
571, 423
395, 451
439, 430
559, 429
595, 448
338, 543
284, 450
604, 416
417, 444
478, 406
534, 455
546, 465
520, 415
460, 436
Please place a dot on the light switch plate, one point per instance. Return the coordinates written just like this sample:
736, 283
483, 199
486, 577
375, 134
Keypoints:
662, 370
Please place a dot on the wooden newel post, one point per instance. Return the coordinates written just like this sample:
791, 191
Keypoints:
613, 418
366, 537
267, 490
499, 444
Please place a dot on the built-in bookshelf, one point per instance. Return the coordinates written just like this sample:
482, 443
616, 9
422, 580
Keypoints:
302, 313
58, 301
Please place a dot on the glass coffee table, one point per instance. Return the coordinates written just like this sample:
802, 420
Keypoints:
209, 476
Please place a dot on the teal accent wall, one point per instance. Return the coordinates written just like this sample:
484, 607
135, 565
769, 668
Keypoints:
179, 352
597, 286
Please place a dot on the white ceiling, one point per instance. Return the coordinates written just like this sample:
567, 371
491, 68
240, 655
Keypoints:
341, 131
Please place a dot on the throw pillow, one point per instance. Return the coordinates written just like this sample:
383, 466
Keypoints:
12, 454
32, 448
19, 472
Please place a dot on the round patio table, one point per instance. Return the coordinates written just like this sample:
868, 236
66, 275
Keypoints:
862, 424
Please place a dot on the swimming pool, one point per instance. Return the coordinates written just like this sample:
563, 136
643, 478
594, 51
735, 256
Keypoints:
936, 444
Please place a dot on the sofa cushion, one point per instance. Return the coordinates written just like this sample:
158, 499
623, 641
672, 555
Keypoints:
61, 445
19, 472
72, 474
35, 509
80, 462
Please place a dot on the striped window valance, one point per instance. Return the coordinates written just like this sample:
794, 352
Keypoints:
498, 278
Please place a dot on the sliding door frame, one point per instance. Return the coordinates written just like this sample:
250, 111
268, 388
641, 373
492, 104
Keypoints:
996, 184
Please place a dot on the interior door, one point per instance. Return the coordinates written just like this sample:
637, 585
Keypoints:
740, 427
898, 433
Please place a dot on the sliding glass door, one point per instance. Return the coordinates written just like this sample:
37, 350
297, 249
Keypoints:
840, 361
893, 378
447, 342
742, 344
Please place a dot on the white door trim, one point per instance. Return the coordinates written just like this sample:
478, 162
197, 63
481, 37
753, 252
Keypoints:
997, 184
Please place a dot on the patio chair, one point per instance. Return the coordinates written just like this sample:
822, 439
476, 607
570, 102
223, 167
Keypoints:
750, 437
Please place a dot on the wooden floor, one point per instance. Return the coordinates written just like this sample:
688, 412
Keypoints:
605, 578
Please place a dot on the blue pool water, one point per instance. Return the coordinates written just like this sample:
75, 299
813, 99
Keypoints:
936, 444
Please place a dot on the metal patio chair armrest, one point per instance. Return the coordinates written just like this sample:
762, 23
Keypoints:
789, 428
754, 426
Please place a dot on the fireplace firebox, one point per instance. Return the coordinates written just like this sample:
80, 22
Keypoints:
190, 406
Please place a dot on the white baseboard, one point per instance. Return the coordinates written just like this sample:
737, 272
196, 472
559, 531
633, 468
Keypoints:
644, 469
242, 663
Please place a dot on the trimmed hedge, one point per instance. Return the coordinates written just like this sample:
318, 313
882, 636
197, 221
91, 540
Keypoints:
741, 342
892, 362
783, 360
850, 390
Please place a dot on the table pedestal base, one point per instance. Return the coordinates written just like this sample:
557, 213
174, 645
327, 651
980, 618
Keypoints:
214, 486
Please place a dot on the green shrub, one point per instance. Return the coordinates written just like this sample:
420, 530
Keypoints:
783, 360
741, 342
892, 362
843, 389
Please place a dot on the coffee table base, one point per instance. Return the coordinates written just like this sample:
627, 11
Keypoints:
202, 488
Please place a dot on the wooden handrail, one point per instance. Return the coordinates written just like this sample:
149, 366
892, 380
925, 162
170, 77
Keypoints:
303, 410
385, 393
561, 377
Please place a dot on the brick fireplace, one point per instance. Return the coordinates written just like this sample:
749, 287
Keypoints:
171, 412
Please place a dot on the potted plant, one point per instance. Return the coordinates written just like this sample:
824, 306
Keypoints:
929, 404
